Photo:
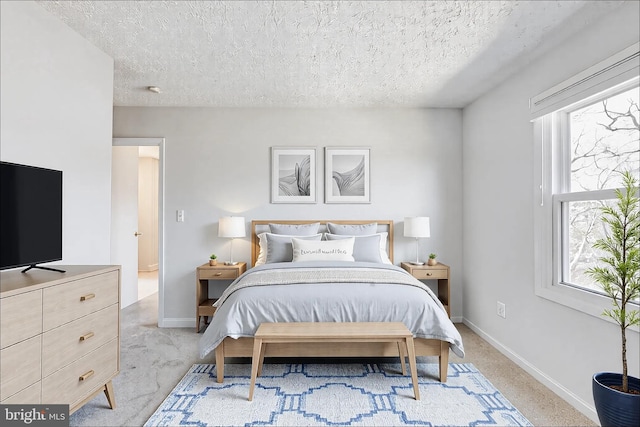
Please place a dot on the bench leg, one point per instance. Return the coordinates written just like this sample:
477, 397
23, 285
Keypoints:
412, 365
220, 362
263, 349
255, 361
401, 348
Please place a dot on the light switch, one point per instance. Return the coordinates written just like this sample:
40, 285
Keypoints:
180, 215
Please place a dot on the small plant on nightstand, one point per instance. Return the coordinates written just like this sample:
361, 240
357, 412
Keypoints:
213, 260
432, 259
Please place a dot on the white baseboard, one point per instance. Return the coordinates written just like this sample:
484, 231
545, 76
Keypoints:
177, 322
588, 410
149, 269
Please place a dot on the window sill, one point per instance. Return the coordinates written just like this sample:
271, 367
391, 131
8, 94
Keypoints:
583, 301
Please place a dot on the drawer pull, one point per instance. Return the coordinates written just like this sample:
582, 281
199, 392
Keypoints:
218, 274
85, 376
429, 274
87, 297
86, 336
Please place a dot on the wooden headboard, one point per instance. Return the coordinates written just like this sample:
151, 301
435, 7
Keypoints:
260, 226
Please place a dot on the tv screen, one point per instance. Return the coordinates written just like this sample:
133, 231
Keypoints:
30, 215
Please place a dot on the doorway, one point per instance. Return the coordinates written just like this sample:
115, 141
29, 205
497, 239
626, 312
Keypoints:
137, 218
148, 159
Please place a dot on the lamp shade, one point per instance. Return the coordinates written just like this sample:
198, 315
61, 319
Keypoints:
231, 227
417, 226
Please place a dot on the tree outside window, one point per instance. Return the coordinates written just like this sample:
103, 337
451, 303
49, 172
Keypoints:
601, 140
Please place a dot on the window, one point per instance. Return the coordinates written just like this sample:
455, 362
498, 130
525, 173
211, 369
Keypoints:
586, 131
599, 140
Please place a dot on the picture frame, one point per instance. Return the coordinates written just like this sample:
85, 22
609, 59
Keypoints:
293, 175
347, 175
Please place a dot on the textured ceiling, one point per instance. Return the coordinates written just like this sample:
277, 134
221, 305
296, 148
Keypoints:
318, 53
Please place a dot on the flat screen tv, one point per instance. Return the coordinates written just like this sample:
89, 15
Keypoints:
30, 216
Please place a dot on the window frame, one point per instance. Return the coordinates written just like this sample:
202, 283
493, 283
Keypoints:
552, 159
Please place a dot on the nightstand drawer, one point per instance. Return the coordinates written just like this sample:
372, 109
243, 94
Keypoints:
424, 274
218, 274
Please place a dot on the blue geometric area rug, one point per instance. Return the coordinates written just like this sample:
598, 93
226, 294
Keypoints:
336, 395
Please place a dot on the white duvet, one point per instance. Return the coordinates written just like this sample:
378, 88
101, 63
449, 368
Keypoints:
318, 291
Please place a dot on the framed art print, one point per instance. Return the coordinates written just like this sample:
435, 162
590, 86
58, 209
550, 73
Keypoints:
347, 175
293, 175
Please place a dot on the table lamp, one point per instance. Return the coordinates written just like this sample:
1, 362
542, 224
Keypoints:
231, 227
417, 227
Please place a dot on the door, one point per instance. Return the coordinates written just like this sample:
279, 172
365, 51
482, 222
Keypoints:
124, 220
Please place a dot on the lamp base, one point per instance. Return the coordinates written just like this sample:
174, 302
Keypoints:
416, 263
231, 263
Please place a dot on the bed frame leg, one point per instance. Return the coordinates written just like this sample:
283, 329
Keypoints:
220, 362
444, 360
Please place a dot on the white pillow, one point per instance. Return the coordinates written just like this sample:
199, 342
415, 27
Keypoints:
279, 239
370, 248
325, 250
295, 229
352, 229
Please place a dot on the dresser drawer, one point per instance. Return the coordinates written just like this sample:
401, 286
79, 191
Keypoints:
20, 366
218, 274
62, 304
30, 395
63, 345
21, 317
430, 274
98, 367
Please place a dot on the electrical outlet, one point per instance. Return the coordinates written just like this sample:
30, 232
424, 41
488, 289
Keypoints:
180, 215
502, 310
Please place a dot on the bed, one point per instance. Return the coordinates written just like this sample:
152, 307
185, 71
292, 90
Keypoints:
326, 271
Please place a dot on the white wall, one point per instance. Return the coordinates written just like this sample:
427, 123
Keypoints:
56, 112
560, 346
218, 163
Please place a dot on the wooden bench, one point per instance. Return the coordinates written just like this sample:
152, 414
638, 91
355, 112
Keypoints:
333, 332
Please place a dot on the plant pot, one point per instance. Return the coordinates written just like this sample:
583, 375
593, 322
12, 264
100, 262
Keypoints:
614, 407
431, 261
213, 262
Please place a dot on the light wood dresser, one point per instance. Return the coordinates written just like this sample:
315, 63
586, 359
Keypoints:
59, 335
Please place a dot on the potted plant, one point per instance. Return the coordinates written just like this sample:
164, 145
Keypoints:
432, 259
213, 260
617, 396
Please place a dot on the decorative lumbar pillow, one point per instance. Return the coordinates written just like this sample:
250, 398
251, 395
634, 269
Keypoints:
352, 229
372, 248
295, 229
337, 250
277, 247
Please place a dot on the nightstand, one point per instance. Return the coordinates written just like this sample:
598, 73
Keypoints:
206, 272
439, 272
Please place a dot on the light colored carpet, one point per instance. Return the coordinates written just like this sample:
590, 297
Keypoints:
339, 394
